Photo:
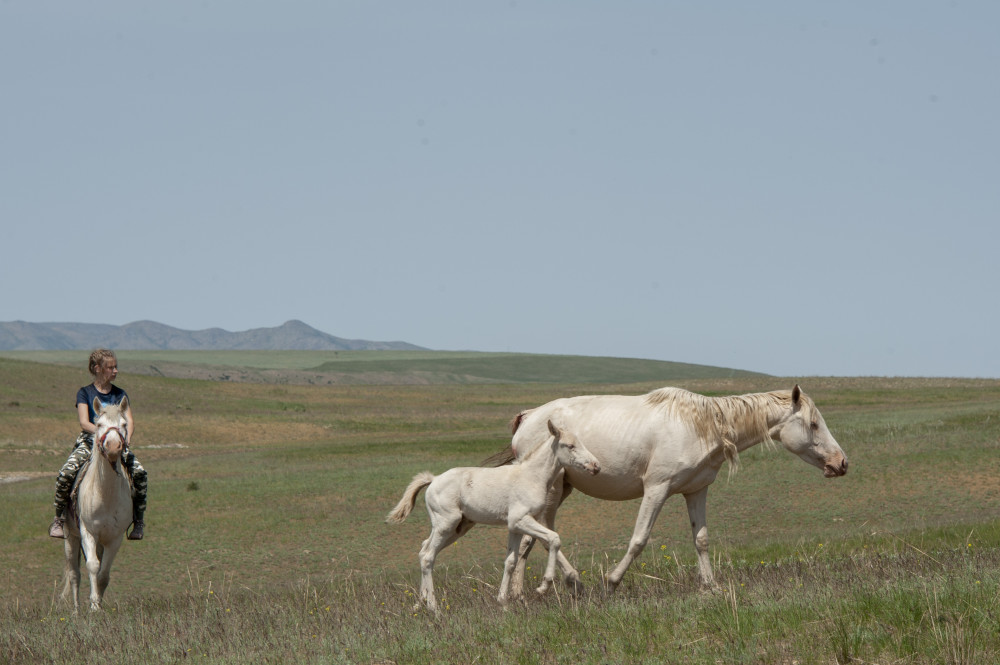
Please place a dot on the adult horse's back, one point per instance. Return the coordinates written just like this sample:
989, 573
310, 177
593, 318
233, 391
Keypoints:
103, 507
672, 441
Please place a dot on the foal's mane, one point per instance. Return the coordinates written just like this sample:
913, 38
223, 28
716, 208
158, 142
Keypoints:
727, 423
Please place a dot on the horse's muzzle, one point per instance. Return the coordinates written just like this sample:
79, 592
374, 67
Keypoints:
833, 470
593, 469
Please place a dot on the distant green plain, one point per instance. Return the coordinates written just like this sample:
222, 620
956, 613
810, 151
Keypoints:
399, 367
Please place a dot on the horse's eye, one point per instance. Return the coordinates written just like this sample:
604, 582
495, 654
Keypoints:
815, 426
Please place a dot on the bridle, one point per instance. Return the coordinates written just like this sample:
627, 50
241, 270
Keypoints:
102, 443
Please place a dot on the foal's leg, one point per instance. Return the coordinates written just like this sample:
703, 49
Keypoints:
652, 502
509, 564
528, 525
555, 499
443, 533
696, 503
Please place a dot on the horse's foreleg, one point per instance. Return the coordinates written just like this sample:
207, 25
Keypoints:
104, 574
697, 509
529, 526
652, 502
557, 495
93, 556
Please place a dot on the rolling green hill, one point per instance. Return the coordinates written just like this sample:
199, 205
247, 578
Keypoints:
391, 367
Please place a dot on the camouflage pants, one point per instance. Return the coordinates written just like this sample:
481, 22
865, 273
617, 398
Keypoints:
80, 454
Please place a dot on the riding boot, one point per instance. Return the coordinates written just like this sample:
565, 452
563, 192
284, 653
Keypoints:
56, 528
136, 532
137, 525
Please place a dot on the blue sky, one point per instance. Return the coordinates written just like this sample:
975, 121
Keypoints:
798, 188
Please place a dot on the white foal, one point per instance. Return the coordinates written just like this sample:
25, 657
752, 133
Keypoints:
514, 495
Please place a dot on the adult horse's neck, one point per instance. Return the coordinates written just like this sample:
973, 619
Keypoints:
102, 479
746, 420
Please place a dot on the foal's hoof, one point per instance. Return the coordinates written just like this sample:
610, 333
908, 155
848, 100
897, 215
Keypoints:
544, 588
574, 584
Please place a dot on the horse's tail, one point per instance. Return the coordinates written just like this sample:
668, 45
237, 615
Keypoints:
518, 419
507, 455
502, 458
405, 505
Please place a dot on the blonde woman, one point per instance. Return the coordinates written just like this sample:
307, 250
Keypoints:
104, 368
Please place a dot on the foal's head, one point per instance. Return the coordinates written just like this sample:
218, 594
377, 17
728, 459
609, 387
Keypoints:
110, 435
571, 453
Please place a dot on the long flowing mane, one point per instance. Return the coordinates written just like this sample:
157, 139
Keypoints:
730, 422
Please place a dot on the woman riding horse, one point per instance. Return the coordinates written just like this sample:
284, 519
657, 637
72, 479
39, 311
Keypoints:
104, 368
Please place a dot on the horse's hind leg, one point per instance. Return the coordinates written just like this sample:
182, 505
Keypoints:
514, 544
652, 502
71, 573
443, 534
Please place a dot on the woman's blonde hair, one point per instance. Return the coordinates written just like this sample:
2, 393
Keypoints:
97, 358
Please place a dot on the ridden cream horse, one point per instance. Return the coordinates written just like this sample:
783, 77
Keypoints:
103, 507
671, 441
514, 495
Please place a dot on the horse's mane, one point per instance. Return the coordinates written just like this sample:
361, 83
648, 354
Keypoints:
723, 422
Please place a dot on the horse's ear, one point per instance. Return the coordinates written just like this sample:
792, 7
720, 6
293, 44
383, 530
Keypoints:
123, 405
553, 430
796, 395
97, 405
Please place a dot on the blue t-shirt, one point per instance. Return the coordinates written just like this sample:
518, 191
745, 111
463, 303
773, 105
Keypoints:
87, 394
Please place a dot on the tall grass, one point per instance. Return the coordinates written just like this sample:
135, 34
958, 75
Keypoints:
875, 604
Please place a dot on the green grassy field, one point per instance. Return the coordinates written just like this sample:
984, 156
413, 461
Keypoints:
265, 540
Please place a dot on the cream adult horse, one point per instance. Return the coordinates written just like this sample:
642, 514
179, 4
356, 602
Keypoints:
103, 507
671, 441
514, 495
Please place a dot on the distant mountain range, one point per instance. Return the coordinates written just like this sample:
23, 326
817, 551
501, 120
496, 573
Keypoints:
149, 335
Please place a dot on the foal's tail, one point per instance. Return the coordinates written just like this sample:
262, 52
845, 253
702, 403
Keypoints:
405, 505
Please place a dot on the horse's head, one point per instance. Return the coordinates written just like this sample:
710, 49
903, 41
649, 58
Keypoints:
803, 432
110, 435
571, 453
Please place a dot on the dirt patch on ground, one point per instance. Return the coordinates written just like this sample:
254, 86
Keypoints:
19, 476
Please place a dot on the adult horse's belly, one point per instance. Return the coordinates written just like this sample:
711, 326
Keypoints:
610, 486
